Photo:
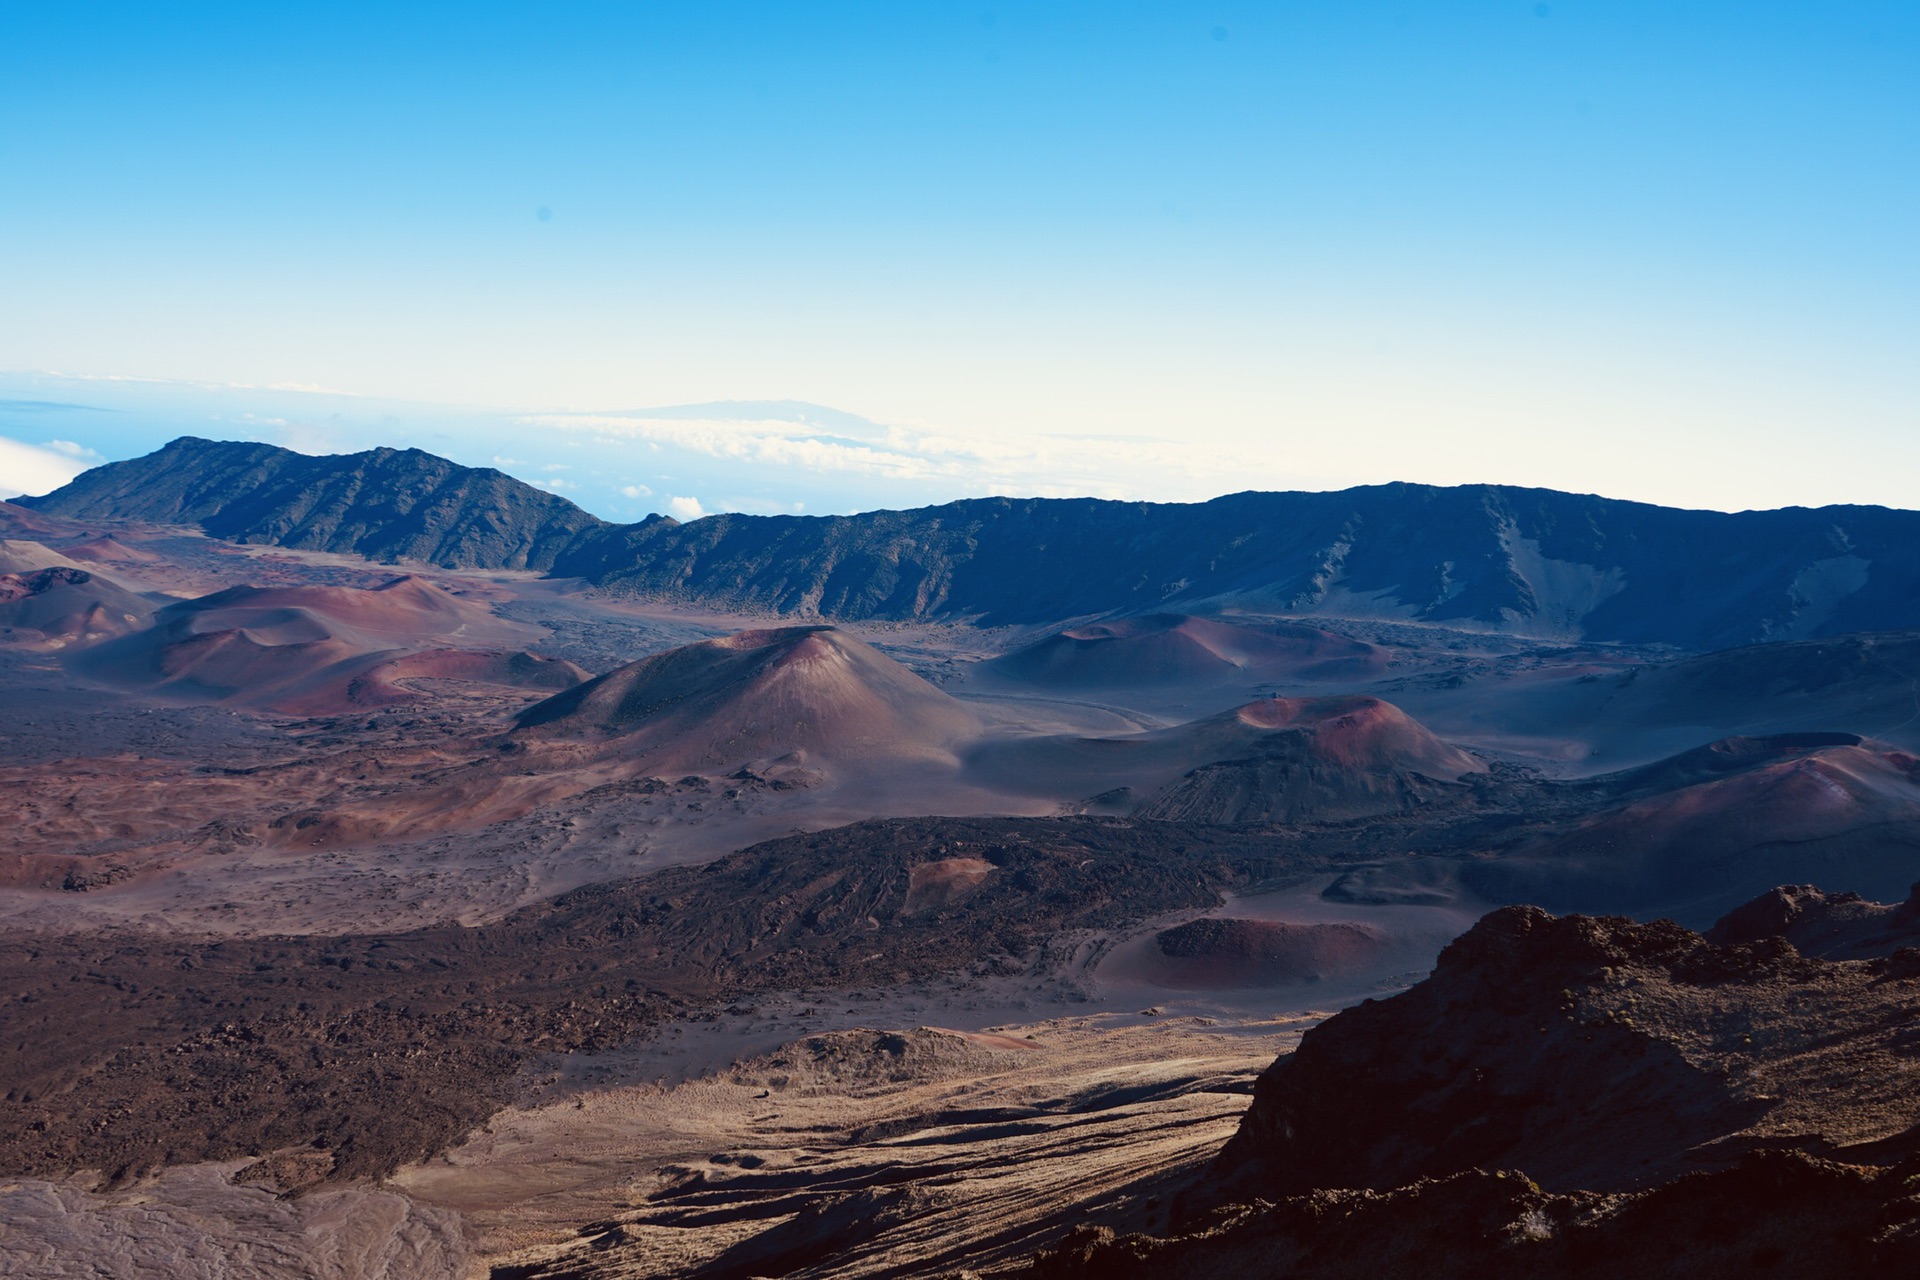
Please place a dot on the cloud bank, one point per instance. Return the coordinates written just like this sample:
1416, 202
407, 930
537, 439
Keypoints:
884, 457
36, 469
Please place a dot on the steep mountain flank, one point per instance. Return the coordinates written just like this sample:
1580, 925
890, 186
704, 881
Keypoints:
1530, 561
385, 504
1533, 561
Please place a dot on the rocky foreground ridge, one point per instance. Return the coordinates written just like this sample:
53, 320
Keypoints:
1530, 561
1582, 1095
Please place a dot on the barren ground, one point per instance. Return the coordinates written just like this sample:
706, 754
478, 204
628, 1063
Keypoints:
252, 953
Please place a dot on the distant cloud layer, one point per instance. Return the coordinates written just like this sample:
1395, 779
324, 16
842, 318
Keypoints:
879, 455
36, 469
790, 457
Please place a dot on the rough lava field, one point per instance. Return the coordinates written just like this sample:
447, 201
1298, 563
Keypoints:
406, 874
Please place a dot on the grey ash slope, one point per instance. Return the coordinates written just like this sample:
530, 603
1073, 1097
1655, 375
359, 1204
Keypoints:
1530, 561
385, 504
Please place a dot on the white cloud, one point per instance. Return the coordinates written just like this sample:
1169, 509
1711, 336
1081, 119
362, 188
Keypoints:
636, 491
310, 438
555, 485
73, 450
978, 463
685, 508
761, 506
27, 468
305, 388
556, 466
770, 442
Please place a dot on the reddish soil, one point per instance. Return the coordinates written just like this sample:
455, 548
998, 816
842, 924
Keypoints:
761, 695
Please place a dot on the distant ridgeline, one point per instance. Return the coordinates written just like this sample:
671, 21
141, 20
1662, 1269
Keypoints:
1528, 561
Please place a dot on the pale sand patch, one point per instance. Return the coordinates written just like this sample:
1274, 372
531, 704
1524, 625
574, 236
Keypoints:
193, 1223
858, 1152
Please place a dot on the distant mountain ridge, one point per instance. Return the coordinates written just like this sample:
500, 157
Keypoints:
385, 504
1529, 561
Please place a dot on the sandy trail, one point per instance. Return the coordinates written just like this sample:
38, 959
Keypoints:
855, 1152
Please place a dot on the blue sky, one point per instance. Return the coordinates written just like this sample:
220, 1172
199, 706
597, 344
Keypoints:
1656, 250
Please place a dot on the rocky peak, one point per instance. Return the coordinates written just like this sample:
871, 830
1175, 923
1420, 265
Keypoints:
1593, 1053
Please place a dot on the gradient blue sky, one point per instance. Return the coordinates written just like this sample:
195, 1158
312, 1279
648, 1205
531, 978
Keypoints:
1656, 250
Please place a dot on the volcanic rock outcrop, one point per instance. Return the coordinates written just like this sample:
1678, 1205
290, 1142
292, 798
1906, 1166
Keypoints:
1594, 1054
1831, 926
1779, 1214
1582, 1096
